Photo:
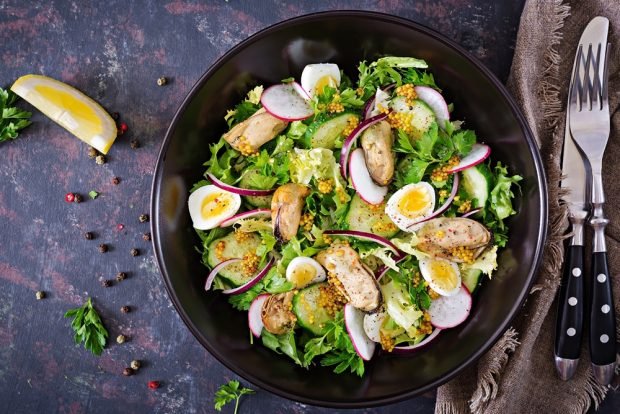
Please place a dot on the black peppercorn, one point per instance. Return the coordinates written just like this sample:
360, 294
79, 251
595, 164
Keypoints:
134, 252
106, 283
77, 198
120, 276
128, 372
143, 218
116, 180
92, 153
88, 235
125, 309
115, 116
146, 237
134, 143
103, 248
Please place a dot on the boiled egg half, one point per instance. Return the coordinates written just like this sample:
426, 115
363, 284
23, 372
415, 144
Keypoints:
210, 205
443, 276
304, 271
317, 76
411, 204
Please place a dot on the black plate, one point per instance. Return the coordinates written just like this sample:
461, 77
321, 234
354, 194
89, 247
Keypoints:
345, 38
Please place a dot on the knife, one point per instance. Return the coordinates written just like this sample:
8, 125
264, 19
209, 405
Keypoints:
569, 322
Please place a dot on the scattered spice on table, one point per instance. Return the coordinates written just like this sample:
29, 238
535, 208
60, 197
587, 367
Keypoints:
121, 339
161, 81
40, 295
135, 365
100, 159
146, 237
153, 385
89, 235
106, 283
143, 218
125, 309
115, 116
69, 197
93, 194
120, 226
128, 372
77, 198
92, 153
134, 252
116, 180
122, 128
103, 248
134, 143
120, 276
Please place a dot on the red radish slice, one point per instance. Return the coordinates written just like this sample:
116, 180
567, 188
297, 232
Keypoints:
255, 279
361, 180
372, 325
287, 101
354, 321
450, 311
348, 143
406, 349
472, 212
478, 153
215, 271
365, 236
254, 314
445, 205
436, 102
259, 212
237, 190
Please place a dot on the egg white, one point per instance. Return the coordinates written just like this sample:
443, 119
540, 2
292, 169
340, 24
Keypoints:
399, 218
195, 202
296, 264
426, 269
314, 73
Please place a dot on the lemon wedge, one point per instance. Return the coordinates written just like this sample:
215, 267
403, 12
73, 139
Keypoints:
69, 108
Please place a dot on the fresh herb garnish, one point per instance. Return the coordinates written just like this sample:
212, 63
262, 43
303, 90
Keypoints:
88, 327
229, 392
12, 119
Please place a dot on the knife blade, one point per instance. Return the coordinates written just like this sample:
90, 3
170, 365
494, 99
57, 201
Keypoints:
569, 322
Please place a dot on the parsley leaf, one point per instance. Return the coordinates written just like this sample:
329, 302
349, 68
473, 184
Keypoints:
463, 141
221, 162
229, 392
283, 344
88, 327
12, 119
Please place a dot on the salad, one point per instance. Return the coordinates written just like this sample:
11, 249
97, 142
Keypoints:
349, 216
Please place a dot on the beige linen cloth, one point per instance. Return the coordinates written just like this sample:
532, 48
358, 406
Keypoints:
518, 375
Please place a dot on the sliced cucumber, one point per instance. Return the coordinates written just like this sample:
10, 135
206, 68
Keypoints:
422, 115
477, 183
310, 314
364, 217
233, 249
256, 201
325, 130
471, 279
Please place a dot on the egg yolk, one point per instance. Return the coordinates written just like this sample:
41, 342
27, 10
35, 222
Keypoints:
215, 204
303, 274
413, 203
323, 82
443, 275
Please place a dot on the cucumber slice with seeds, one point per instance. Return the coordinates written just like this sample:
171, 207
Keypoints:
233, 249
311, 315
364, 217
326, 131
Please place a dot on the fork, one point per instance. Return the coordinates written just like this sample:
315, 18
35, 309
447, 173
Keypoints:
590, 126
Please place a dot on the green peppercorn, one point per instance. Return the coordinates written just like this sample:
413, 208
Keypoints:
128, 372
135, 364
121, 339
103, 248
120, 276
143, 218
100, 159
89, 236
134, 252
40, 295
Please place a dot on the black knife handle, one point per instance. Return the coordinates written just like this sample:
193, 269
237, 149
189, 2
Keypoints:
569, 323
602, 315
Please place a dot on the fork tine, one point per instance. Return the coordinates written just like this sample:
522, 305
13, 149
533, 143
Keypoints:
596, 83
575, 90
604, 91
587, 80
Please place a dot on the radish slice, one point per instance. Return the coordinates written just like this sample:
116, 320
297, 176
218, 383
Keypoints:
436, 102
478, 153
472, 212
354, 321
287, 101
237, 190
254, 314
450, 311
215, 271
366, 236
255, 279
361, 180
405, 349
259, 212
348, 143
381, 97
445, 205
372, 325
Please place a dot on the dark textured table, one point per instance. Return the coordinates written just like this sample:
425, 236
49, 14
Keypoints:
115, 51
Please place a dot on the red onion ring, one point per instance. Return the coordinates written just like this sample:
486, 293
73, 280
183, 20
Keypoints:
446, 204
406, 349
350, 140
365, 236
255, 279
472, 212
236, 190
215, 271
382, 271
246, 214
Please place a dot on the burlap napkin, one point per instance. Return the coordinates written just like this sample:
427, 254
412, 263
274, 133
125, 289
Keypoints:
518, 375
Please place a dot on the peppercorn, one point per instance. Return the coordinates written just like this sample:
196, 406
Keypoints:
143, 218
92, 153
103, 248
116, 180
122, 128
128, 372
120, 226
77, 198
69, 197
89, 236
115, 116
153, 385
135, 364
134, 143
125, 309
162, 81
106, 283
40, 295
134, 252
120, 276
146, 237
121, 339
100, 159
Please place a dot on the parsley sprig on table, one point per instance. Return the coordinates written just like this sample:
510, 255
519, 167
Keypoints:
229, 392
88, 327
12, 119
